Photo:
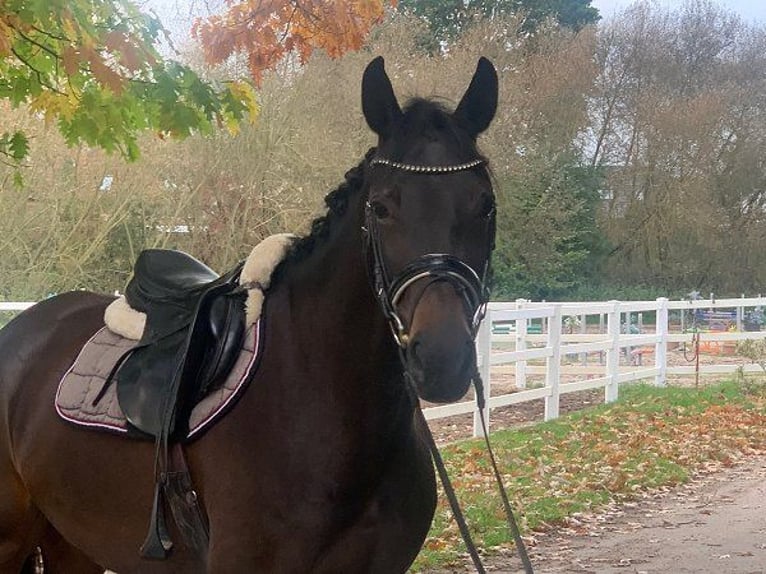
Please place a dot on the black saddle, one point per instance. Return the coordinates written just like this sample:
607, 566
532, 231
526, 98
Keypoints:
195, 324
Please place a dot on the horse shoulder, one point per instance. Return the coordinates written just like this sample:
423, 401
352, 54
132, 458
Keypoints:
389, 533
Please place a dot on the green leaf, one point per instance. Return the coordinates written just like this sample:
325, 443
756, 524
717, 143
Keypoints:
18, 146
18, 179
101, 103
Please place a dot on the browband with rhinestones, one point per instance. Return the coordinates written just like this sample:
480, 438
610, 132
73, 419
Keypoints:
427, 168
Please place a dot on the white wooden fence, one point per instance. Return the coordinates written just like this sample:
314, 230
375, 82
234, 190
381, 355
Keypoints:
15, 306
609, 351
614, 344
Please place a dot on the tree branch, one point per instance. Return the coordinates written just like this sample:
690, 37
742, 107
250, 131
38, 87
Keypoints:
39, 74
38, 44
50, 35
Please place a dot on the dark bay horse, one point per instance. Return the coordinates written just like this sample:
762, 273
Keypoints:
321, 466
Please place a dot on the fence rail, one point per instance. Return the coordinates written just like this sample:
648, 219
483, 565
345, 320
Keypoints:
535, 341
10, 306
506, 346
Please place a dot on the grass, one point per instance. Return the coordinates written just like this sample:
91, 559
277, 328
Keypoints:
5, 317
651, 438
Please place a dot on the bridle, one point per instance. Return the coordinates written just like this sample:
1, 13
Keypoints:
474, 292
437, 267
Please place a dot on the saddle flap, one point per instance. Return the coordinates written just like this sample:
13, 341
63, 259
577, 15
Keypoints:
143, 383
190, 342
227, 328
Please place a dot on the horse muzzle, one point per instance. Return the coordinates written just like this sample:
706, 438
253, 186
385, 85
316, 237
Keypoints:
440, 376
440, 355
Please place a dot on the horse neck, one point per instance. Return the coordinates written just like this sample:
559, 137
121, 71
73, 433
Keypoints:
340, 324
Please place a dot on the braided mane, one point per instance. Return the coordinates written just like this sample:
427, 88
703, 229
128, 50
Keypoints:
337, 202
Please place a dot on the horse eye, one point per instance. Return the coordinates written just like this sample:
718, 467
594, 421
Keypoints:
379, 210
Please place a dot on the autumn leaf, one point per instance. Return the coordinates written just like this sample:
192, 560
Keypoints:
245, 94
92, 67
71, 59
6, 38
103, 73
53, 105
267, 30
128, 53
557, 470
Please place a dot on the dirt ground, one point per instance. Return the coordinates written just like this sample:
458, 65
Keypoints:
714, 524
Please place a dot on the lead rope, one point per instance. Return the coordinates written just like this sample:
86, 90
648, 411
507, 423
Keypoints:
453, 501
512, 524
452, 497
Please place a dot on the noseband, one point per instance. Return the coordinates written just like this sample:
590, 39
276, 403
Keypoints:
434, 266
475, 294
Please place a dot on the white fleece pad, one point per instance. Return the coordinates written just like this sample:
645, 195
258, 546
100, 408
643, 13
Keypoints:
122, 319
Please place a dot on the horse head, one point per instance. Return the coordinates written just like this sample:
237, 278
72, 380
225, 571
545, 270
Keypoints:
430, 225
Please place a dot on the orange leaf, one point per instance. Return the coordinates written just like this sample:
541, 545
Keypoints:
70, 57
103, 73
266, 30
119, 42
6, 38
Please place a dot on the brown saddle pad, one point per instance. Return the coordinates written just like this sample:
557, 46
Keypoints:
86, 377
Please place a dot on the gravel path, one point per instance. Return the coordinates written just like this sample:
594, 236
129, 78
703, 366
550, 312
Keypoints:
715, 524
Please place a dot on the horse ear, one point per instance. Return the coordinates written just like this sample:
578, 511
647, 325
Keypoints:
479, 103
381, 110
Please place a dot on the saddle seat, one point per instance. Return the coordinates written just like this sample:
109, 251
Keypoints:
161, 275
195, 325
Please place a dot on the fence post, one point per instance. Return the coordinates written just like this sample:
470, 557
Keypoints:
601, 332
484, 349
553, 364
613, 354
521, 345
661, 349
740, 315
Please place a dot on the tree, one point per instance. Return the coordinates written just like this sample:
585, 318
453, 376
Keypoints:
92, 67
449, 18
678, 126
268, 30
548, 242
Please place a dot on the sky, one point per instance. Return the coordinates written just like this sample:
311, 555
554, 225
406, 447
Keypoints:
749, 10
175, 14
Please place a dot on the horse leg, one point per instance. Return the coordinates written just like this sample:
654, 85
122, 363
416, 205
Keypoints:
23, 528
60, 557
31, 564
21, 524
388, 535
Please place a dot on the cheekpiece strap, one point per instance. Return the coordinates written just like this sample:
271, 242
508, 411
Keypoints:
428, 168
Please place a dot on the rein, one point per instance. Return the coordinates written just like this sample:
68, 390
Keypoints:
457, 512
475, 294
